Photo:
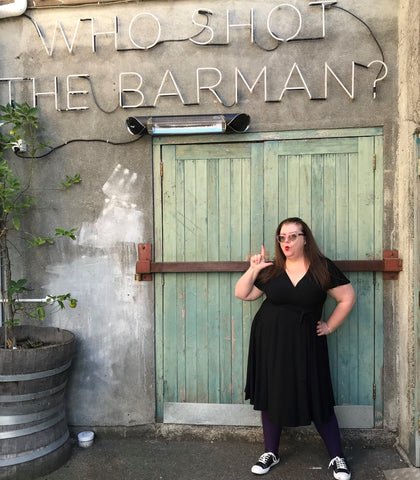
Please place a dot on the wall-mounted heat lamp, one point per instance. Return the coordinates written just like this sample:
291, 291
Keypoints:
189, 124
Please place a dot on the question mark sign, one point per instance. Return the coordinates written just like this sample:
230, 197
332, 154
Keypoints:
380, 78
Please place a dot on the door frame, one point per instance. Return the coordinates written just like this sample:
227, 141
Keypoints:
415, 435
243, 414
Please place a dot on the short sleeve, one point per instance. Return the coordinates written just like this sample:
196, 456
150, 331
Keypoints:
259, 284
337, 277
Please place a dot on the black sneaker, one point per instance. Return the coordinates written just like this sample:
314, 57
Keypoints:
265, 462
341, 470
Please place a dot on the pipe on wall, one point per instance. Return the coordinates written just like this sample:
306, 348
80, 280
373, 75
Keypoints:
14, 9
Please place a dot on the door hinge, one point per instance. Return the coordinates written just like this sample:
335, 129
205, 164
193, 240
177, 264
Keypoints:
374, 392
374, 161
161, 169
418, 425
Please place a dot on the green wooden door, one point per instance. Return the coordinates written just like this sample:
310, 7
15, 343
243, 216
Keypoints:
219, 199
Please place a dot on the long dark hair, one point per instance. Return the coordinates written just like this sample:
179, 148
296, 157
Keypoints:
318, 267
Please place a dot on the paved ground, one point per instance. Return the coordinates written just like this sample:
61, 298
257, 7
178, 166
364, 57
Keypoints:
403, 474
195, 459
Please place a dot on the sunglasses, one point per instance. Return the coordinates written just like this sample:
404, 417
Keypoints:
292, 237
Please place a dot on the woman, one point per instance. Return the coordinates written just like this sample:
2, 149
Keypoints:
288, 375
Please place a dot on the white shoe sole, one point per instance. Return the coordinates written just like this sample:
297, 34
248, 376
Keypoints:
262, 471
342, 476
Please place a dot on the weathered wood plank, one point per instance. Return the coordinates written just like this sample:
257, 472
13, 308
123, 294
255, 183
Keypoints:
169, 230
202, 241
191, 305
379, 284
225, 219
213, 282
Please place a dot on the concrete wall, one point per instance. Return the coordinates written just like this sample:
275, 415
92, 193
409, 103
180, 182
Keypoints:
114, 321
406, 182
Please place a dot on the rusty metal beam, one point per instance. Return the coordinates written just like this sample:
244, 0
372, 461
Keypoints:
390, 265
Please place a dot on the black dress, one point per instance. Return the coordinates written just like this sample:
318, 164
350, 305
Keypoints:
288, 367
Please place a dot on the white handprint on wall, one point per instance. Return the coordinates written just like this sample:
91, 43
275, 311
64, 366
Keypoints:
120, 220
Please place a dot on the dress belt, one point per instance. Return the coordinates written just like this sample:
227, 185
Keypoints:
303, 314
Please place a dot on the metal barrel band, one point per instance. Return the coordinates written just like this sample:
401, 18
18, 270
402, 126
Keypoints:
27, 457
32, 396
35, 429
35, 375
31, 417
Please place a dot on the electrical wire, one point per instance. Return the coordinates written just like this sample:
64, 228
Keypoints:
96, 100
201, 12
206, 13
370, 31
321, 38
100, 140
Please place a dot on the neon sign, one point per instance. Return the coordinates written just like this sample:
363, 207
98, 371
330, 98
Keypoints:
144, 32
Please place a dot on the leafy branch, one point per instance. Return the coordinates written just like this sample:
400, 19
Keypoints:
69, 181
15, 202
59, 232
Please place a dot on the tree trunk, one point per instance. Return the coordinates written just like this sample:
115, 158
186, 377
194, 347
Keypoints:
6, 276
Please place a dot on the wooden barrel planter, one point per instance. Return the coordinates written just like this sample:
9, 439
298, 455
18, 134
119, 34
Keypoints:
34, 436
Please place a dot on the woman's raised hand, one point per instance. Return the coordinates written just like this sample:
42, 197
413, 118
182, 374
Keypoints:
258, 261
245, 288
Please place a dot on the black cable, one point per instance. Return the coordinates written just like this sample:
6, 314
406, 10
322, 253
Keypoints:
370, 31
53, 149
96, 100
206, 13
38, 31
320, 38
201, 12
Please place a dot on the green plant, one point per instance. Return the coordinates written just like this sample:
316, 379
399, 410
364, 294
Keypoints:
69, 181
15, 201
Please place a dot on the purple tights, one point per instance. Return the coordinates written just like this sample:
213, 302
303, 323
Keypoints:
328, 431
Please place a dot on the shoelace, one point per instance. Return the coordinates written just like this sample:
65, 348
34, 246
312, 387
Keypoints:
265, 457
340, 463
